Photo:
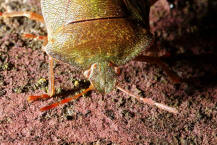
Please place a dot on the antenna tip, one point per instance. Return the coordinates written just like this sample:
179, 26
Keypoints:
167, 108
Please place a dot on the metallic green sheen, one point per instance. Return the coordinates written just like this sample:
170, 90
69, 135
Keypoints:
80, 34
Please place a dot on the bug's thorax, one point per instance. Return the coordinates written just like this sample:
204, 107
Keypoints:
102, 76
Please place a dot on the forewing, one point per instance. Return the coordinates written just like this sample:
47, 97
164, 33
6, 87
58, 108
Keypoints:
81, 43
58, 13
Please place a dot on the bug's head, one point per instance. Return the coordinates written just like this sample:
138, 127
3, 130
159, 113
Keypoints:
102, 76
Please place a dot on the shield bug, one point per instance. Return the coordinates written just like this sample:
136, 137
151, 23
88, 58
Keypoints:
96, 37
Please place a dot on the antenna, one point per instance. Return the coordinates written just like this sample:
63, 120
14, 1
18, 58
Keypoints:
150, 101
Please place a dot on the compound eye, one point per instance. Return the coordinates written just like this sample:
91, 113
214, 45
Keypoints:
88, 72
117, 70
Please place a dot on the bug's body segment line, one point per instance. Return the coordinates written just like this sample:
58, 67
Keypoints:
96, 19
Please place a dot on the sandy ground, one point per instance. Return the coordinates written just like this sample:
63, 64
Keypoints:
184, 28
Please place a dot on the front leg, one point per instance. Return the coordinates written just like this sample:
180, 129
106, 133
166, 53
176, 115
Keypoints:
51, 89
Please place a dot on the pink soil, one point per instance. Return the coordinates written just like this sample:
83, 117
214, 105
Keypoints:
186, 31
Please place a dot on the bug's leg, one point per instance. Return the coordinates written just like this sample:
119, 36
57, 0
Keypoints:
31, 15
51, 90
67, 99
150, 101
38, 37
156, 60
51, 77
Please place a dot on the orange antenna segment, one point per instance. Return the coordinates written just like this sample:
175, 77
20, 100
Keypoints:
150, 102
67, 99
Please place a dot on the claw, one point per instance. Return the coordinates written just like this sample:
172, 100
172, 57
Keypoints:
67, 99
35, 98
